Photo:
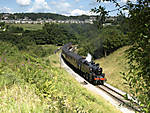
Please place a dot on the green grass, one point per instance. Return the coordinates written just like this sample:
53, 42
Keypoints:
29, 26
20, 99
113, 66
36, 84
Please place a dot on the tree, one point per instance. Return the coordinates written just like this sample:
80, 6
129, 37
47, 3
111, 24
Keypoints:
56, 34
113, 39
14, 29
139, 52
2, 24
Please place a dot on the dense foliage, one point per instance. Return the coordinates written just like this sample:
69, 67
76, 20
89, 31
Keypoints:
58, 35
50, 34
138, 54
109, 39
31, 80
102, 41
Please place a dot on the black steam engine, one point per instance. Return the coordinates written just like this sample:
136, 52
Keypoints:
89, 70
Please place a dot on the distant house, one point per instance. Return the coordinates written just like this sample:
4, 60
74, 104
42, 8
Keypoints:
42, 20
4, 29
17, 21
107, 24
6, 16
26, 18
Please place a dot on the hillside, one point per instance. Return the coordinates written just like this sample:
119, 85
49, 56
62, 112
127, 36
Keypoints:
113, 66
32, 81
35, 16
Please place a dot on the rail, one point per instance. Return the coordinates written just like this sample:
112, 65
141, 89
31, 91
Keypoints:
119, 97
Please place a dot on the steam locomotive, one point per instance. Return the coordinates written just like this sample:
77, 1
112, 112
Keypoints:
89, 70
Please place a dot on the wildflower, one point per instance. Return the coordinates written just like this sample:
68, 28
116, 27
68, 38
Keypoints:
5, 59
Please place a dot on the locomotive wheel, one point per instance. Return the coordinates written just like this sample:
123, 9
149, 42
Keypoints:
94, 82
84, 76
87, 77
91, 78
102, 82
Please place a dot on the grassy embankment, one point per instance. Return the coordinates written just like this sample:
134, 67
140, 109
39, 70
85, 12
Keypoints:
36, 83
113, 66
29, 26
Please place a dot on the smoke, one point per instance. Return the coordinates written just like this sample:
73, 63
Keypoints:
89, 57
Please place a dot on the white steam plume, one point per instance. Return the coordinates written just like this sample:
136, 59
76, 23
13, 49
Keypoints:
89, 57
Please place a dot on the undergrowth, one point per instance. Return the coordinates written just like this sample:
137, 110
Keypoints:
34, 83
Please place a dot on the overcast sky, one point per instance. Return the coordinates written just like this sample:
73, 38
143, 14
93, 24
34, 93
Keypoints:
64, 7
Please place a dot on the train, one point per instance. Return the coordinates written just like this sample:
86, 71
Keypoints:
91, 71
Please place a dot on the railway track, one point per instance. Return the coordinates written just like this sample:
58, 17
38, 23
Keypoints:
119, 97
114, 93
114, 101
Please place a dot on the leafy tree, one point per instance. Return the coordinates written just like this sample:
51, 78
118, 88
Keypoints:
2, 24
88, 47
58, 35
39, 36
14, 29
113, 39
107, 41
138, 54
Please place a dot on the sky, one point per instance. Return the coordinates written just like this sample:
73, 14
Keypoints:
64, 7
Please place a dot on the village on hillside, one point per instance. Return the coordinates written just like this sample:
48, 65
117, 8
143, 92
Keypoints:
26, 20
